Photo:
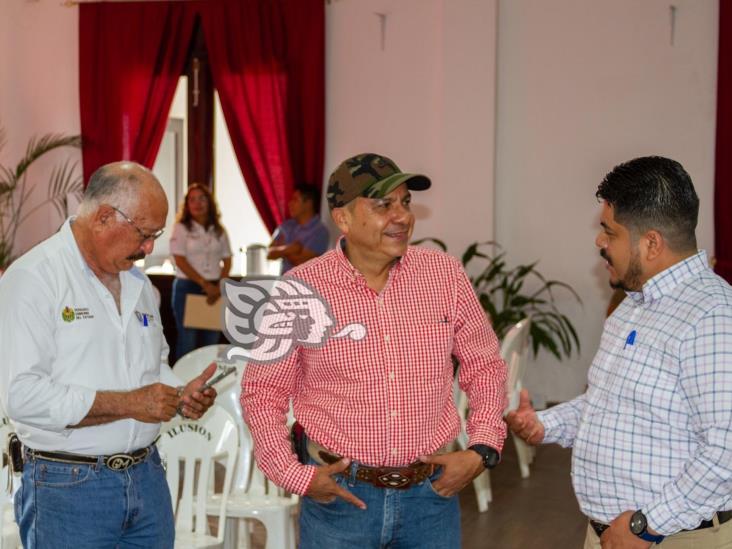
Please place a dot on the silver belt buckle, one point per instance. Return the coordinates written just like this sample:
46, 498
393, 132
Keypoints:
120, 462
393, 479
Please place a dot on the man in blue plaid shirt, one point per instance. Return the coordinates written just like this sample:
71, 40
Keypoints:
652, 435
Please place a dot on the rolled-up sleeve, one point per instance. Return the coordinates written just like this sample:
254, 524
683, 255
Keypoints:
29, 393
265, 399
562, 422
482, 373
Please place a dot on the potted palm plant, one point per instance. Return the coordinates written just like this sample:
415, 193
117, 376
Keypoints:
15, 189
508, 294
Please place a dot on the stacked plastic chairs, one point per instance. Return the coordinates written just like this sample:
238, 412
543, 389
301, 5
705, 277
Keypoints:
252, 496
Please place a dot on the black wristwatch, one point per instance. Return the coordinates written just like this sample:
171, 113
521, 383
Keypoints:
490, 456
639, 526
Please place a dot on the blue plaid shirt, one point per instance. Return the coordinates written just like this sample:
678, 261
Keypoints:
653, 431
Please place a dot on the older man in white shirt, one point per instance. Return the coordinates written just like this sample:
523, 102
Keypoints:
85, 380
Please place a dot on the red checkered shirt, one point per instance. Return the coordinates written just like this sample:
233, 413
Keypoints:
388, 398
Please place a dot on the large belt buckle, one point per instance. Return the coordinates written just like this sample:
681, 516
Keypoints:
120, 462
393, 479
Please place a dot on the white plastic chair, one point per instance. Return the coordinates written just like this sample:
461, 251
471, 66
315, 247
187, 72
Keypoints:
481, 483
515, 352
9, 533
229, 389
197, 445
252, 496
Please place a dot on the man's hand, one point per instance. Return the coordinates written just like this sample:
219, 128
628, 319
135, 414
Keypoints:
153, 403
213, 292
325, 490
619, 536
458, 470
524, 422
193, 401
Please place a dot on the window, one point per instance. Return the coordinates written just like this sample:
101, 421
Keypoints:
239, 215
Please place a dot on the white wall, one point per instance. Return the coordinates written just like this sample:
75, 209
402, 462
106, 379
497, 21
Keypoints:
426, 100
582, 86
39, 76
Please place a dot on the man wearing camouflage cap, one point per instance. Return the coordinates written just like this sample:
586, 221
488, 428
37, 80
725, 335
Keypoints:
374, 414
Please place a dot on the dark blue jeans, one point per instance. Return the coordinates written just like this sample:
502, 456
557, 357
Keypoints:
94, 507
189, 338
417, 518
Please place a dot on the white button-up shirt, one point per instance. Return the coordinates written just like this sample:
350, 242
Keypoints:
202, 248
62, 339
654, 429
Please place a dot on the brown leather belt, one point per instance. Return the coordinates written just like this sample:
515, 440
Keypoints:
722, 517
116, 462
400, 478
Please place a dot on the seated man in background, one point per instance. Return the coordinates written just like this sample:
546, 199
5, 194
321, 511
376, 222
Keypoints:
375, 412
84, 380
303, 236
652, 435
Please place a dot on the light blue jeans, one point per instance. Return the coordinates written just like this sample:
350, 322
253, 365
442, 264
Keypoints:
93, 507
417, 518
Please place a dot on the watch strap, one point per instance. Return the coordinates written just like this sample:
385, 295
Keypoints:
490, 456
647, 536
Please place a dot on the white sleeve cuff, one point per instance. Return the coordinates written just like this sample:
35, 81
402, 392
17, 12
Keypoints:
71, 409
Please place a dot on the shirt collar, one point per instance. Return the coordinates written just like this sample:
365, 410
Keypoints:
667, 280
67, 236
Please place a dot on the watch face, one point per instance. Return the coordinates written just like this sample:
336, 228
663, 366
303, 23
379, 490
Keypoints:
638, 523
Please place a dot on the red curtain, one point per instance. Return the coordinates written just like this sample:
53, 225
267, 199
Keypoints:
131, 55
271, 82
268, 63
723, 172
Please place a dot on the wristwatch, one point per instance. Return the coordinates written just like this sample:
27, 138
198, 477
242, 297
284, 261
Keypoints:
639, 526
490, 456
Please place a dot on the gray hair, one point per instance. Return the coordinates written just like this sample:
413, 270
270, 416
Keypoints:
116, 184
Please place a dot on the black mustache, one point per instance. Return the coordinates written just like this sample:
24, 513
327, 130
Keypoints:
604, 255
136, 257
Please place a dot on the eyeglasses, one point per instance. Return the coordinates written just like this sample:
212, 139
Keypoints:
143, 236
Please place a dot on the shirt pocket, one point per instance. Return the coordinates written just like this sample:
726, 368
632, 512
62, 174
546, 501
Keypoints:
645, 382
427, 347
148, 352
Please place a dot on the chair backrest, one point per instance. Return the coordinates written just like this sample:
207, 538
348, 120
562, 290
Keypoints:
229, 391
8, 484
515, 353
197, 445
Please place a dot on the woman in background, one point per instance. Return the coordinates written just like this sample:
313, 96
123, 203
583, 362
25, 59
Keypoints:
202, 254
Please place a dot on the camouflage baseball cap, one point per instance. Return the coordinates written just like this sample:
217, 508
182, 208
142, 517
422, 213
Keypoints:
371, 176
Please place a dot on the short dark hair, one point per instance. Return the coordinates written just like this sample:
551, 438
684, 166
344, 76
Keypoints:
653, 192
309, 192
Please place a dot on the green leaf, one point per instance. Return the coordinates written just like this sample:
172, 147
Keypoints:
14, 190
45, 144
500, 292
